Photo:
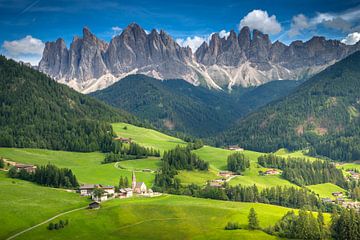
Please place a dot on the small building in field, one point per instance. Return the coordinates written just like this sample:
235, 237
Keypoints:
234, 148
123, 139
27, 167
226, 174
327, 200
354, 175
272, 172
125, 192
94, 205
337, 194
340, 200
216, 183
88, 189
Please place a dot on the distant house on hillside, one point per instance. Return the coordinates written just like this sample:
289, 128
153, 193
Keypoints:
27, 167
226, 174
337, 194
123, 140
354, 175
234, 148
272, 172
327, 200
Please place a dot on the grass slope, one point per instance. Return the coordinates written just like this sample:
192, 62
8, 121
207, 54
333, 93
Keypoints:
86, 166
147, 137
24, 204
324, 190
165, 217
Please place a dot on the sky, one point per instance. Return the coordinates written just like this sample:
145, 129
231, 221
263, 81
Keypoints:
26, 25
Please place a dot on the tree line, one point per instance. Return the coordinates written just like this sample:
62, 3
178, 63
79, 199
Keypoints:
49, 175
237, 162
303, 172
121, 151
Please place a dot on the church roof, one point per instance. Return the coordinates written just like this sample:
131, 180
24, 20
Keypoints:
138, 184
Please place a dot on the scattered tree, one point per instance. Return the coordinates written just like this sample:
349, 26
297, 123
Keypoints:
253, 220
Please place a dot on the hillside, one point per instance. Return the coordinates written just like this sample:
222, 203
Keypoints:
38, 112
323, 113
175, 105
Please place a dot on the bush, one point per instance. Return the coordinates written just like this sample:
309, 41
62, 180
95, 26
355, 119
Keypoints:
232, 226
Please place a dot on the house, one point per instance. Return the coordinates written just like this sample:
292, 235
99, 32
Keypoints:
235, 148
355, 205
340, 200
327, 200
123, 140
354, 175
337, 194
108, 189
272, 172
87, 189
94, 205
125, 192
216, 183
226, 174
28, 168
101, 198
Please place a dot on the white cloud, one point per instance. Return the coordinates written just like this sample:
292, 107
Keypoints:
298, 23
224, 33
27, 49
351, 38
192, 42
116, 29
260, 20
347, 21
195, 42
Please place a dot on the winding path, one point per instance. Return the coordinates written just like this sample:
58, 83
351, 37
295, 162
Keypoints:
46, 221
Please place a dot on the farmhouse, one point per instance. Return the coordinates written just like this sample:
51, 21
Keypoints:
125, 192
123, 140
235, 148
28, 168
327, 200
216, 183
354, 175
272, 172
87, 189
337, 194
226, 174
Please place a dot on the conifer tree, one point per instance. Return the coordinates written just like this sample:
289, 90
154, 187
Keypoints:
253, 221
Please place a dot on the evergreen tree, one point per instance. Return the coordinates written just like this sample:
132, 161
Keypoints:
253, 220
121, 182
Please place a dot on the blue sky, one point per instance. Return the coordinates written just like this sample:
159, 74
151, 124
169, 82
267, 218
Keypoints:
25, 25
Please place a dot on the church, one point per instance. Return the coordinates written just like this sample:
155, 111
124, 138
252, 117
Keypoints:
138, 187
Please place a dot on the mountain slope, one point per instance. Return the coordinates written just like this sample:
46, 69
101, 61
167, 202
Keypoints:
322, 113
38, 112
244, 59
175, 105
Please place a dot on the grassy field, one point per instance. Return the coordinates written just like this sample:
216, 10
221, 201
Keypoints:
165, 217
197, 177
24, 204
140, 164
324, 190
147, 137
298, 154
86, 166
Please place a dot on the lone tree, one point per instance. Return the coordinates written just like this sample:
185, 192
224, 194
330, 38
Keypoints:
253, 221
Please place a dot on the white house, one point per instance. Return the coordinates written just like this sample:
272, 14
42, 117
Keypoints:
125, 192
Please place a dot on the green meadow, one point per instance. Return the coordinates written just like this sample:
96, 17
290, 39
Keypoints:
24, 204
161, 217
325, 190
86, 166
147, 137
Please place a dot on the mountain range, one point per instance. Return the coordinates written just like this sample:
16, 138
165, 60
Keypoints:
244, 59
322, 115
177, 106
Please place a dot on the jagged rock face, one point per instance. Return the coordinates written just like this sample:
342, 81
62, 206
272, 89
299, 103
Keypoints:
245, 59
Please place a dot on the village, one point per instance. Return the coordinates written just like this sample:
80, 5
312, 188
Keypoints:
99, 193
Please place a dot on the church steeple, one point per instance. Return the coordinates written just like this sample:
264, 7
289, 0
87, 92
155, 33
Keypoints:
133, 185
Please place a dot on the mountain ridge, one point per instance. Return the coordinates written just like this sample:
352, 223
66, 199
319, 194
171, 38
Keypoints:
246, 59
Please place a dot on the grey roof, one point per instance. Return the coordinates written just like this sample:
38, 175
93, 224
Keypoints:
138, 184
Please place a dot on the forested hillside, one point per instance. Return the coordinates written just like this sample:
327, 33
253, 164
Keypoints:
323, 114
38, 112
175, 105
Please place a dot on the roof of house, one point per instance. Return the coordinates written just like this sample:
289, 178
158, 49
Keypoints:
107, 187
139, 184
87, 186
95, 203
20, 165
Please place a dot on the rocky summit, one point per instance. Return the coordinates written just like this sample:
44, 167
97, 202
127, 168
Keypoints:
244, 59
